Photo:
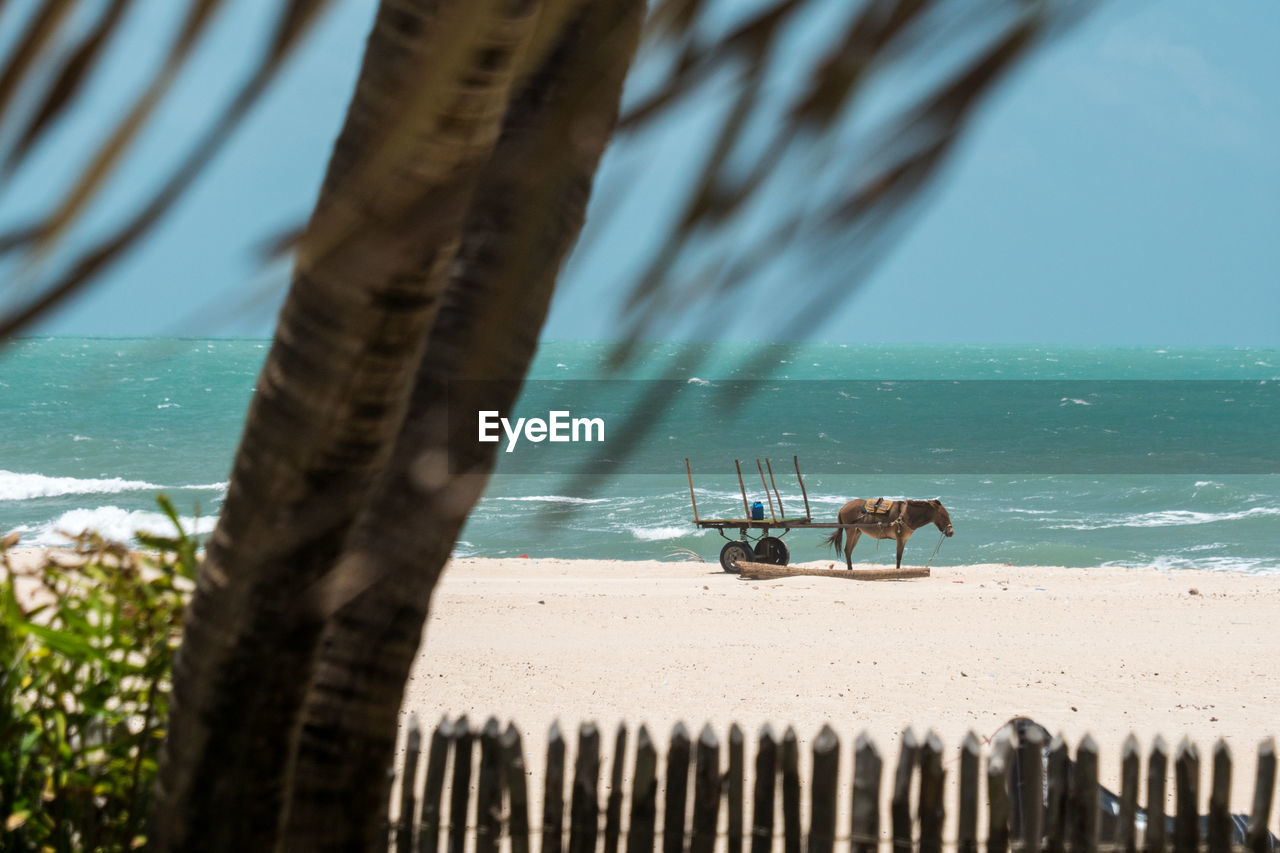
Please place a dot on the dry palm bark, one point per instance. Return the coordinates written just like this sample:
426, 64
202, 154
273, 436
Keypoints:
456, 189
527, 211
368, 289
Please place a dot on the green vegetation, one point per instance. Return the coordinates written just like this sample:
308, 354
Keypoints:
86, 651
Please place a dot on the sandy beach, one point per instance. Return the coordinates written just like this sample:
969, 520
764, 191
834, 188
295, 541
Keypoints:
1105, 651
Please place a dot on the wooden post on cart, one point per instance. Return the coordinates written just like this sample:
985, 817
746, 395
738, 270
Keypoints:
782, 512
768, 496
745, 508
693, 500
807, 513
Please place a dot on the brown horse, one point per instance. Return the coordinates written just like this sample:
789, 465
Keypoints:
901, 519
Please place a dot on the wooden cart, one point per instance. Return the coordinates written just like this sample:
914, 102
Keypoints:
768, 548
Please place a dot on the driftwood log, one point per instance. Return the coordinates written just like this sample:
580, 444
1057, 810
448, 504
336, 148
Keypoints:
768, 571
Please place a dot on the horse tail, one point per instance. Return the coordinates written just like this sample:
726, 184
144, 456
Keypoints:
834, 540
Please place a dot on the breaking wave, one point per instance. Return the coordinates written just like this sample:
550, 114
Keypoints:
1169, 518
1247, 565
20, 487
551, 499
663, 533
111, 522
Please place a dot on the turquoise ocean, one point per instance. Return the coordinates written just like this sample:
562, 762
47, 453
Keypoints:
1075, 456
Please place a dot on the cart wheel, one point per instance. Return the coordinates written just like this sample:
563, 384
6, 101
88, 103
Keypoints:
771, 549
735, 552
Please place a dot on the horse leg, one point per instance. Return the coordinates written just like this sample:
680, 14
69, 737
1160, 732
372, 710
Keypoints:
854, 535
902, 543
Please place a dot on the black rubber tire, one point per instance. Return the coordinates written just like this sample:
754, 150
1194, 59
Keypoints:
732, 553
773, 550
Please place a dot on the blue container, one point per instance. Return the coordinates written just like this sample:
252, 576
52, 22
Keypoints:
757, 511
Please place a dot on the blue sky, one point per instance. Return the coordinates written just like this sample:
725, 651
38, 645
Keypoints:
1122, 187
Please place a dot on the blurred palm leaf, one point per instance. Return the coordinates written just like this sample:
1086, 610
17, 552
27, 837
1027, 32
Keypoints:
38, 238
34, 41
68, 80
407, 241
848, 179
869, 177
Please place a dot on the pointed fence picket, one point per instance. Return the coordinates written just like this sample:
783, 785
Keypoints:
1039, 797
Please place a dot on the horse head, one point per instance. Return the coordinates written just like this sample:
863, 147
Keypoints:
942, 518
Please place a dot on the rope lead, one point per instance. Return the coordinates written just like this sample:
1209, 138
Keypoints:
936, 549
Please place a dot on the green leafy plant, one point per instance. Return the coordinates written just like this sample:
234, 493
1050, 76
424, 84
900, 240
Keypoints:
86, 650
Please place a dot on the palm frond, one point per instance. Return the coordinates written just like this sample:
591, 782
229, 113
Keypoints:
872, 182
35, 40
41, 237
68, 81
857, 185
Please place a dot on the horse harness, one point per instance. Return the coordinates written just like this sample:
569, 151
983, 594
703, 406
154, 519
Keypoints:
881, 507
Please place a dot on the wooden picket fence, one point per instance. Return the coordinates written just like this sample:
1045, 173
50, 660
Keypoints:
1021, 773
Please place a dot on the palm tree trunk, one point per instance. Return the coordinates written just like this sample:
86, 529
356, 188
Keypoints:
527, 212
329, 403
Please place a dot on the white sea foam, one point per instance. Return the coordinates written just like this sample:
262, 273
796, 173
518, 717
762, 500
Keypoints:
790, 495
1247, 565
206, 486
111, 522
551, 499
21, 487
659, 534
1168, 518
1206, 546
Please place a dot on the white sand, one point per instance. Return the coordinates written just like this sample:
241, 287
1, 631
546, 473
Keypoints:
1105, 651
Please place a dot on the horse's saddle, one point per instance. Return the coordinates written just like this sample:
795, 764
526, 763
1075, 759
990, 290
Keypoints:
876, 506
